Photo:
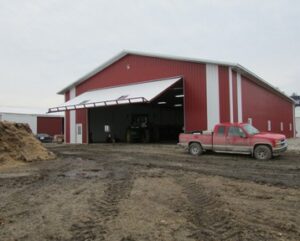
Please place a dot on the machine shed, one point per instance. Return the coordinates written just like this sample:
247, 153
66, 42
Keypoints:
152, 98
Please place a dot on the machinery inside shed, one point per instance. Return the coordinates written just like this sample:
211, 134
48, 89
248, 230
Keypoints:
161, 120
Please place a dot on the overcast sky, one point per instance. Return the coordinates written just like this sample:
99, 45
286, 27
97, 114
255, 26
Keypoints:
46, 45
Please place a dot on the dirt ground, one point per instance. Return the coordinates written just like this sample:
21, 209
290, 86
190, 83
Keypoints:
137, 192
294, 144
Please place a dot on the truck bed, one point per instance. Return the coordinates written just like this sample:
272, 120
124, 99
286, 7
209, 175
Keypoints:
206, 139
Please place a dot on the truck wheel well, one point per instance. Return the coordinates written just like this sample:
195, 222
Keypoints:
195, 148
196, 142
262, 144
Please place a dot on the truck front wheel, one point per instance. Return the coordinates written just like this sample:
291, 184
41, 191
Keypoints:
262, 152
195, 149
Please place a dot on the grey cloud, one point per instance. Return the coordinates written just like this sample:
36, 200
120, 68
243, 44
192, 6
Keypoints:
45, 45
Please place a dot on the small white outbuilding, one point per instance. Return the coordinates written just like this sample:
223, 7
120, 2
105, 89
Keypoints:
38, 119
297, 117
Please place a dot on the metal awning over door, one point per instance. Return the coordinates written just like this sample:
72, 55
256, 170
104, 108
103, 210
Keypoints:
126, 94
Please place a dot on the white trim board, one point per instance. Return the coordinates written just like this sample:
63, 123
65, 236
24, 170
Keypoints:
239, 98
212, 95
230, 95
73, 119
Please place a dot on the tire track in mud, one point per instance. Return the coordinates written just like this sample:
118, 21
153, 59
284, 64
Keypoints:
260, 175
210, 215
105, 209
216, 220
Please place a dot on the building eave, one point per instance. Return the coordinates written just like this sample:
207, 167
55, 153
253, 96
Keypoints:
260, 81
93, 72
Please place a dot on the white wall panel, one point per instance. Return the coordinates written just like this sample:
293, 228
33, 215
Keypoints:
31, 120
239, 98
72, 126
298, 126
230, 95
65, 126
296, 121
73, 119
213, 97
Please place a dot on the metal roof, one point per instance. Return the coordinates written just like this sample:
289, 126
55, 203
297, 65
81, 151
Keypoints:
237, 67
28, 111
125, 94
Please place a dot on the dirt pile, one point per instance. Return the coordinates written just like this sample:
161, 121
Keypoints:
17, 143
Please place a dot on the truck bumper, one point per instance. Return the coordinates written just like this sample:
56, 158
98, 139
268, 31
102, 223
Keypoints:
279, 150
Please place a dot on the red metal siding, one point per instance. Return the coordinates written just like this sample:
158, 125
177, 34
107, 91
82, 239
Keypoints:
133, 69
262, 105
234, 96
50, 125
224, 94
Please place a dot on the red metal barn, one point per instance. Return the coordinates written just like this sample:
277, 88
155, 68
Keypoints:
174, 93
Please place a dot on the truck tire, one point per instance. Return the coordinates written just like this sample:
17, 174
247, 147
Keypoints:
195, 149
262, 152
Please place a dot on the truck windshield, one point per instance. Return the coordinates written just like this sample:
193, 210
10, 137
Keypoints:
250, 129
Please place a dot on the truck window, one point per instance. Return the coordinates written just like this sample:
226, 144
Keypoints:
235, 131
221, 131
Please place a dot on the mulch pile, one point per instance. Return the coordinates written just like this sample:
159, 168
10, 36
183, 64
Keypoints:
18, 143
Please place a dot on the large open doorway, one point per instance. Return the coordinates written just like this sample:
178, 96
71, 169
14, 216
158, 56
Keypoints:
161, 120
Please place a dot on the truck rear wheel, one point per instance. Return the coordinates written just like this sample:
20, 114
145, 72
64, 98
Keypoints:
195, 149
262, 152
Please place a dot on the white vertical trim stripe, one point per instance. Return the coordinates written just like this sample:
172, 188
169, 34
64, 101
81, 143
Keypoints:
72, 127
65, 127
230, 95
213, 96
269, 125
73, 119
239, 98
294, 122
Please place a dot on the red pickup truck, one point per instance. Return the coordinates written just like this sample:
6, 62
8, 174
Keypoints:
240, 138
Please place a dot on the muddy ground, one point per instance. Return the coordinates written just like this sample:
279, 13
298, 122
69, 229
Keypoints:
150, 192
